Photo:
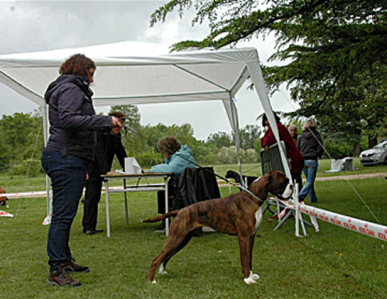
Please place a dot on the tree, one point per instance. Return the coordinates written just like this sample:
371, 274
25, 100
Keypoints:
21, 134
228, 155
329, 46
221, 139
248, 135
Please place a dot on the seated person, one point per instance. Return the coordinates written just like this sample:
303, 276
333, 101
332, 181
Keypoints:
177, 158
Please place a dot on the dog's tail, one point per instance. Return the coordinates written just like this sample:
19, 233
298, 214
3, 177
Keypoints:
162, 217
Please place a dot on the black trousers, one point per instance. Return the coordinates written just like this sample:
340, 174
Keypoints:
172, 187
92, 197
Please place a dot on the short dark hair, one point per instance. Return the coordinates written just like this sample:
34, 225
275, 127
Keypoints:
77, 64
168, 144
264, 119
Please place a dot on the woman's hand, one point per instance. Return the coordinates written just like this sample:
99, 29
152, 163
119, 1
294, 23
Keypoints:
117, 125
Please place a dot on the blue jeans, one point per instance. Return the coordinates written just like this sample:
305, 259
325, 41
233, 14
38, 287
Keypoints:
67, 175
310, 170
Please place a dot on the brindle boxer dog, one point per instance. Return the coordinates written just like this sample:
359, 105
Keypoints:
238, 214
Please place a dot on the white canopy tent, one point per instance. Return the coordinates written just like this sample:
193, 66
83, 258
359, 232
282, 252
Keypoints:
144, 73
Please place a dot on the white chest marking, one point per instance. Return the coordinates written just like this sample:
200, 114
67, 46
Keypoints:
258, 219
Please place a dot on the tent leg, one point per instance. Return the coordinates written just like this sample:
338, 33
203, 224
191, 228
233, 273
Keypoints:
46, 125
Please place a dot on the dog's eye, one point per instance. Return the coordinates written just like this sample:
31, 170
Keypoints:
285, 183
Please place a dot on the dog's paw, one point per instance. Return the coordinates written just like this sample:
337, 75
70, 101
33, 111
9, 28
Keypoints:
162, 270
249, 280
255, 276
154, 281
252, 278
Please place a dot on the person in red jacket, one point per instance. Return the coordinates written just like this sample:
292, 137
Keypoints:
294, 156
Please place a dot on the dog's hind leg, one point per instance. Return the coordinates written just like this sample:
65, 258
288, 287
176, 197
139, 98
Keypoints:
171, 247
167, 258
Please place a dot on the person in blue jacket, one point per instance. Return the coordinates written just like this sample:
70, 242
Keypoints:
70, 148
177, 157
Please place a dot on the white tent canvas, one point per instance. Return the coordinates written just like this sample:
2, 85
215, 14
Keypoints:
144, 73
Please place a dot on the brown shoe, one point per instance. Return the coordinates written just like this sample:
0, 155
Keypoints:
71, 267
60, 278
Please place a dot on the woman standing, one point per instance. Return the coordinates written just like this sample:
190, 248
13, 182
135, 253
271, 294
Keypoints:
310, 145
67, 154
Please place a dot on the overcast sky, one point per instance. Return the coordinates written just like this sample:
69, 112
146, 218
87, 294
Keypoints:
29, 26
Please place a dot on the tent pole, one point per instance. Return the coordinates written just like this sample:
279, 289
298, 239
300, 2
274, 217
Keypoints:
235, 124
260, 87
46, 135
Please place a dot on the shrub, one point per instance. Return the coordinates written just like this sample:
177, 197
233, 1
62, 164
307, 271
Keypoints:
148, 159
32, 168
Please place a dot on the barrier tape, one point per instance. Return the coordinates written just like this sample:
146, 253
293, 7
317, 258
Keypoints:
353, 224
40, 193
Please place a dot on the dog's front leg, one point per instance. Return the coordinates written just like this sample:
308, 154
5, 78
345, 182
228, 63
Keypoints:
245, 247
253, 275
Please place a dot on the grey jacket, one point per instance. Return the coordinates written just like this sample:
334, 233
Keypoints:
310, 144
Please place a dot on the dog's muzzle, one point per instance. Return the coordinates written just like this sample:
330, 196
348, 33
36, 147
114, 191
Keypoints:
287, 192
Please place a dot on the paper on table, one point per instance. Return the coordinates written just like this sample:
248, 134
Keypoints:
132, 166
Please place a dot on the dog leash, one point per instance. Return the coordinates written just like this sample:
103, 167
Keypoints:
194, 163
184, 158
248, 191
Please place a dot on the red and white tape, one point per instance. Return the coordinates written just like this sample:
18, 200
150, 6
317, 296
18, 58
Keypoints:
32, 194
354, 224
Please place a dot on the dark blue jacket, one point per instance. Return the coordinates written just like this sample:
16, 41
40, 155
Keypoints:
72, 117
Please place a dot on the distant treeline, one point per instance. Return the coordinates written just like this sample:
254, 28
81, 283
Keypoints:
22, 142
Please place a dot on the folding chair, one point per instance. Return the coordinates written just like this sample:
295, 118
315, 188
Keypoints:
271, 160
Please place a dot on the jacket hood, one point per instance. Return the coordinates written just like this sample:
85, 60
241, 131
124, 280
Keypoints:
185, 150
80, 81
310, 133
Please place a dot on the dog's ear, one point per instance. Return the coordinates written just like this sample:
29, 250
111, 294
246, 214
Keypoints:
272, 176
229, 174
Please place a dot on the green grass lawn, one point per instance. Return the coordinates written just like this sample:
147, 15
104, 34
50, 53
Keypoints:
333, 263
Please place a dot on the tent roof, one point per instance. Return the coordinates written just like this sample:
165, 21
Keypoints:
136, 73
143, 73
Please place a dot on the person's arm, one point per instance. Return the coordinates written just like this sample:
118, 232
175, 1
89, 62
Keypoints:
299, 142
161, 168
70, 103
176, 164
268, 139
121, 153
